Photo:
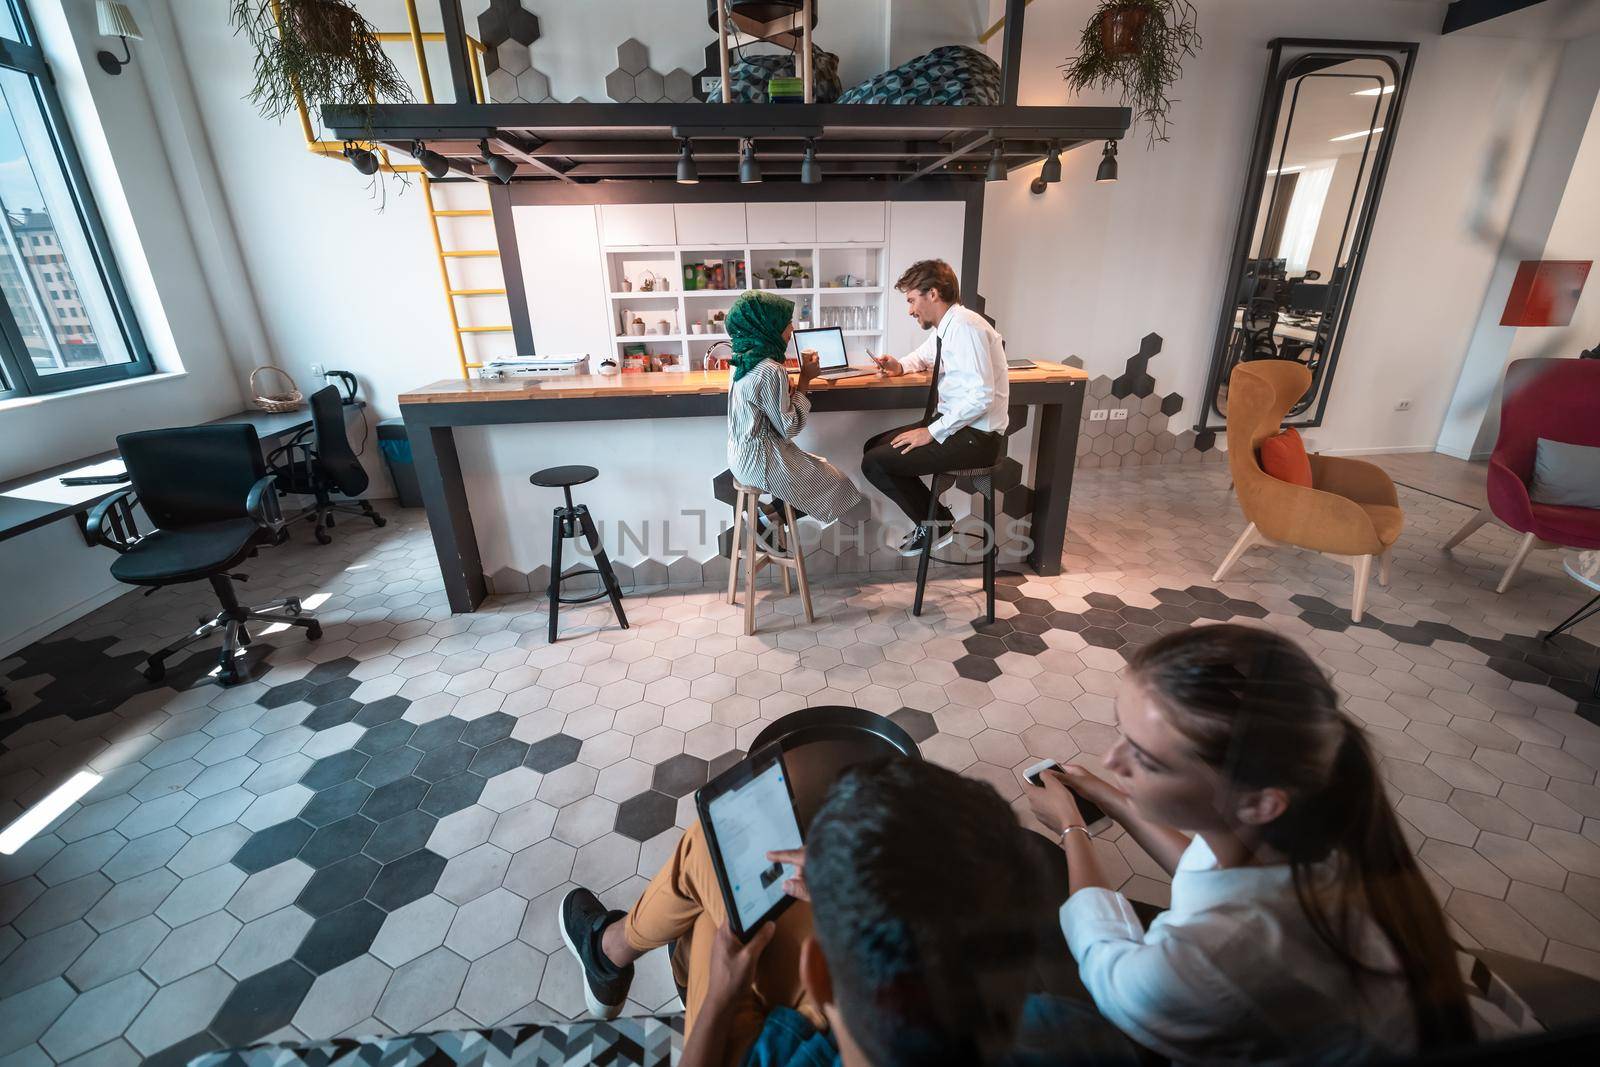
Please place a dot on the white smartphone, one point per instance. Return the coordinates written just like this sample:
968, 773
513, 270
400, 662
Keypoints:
1095, 820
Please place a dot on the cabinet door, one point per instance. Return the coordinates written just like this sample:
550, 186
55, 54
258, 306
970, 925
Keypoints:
567, 305
850, 221
710, 224
781, 223
638, 224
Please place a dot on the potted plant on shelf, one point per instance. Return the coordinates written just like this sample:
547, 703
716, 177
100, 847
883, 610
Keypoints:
1137, 47
318, 51
785, 273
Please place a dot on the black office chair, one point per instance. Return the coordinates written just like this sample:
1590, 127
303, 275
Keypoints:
207, 491
323, 465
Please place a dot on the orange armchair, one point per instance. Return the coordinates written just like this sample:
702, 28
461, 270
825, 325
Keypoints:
1350, 512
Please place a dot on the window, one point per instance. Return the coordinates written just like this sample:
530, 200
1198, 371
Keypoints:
48, 219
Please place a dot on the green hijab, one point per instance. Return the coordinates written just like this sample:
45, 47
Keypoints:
755, 330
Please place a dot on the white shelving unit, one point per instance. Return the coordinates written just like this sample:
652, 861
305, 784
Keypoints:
863, 263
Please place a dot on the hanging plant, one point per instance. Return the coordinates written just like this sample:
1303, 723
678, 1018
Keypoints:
1138, 48
324, 49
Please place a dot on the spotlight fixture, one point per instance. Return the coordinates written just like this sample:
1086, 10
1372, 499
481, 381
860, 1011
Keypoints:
501, 167
810, 169
1108, 165
749, 166
115, 20
1051, 171
997, 163
688, 173
433, 164
361, 159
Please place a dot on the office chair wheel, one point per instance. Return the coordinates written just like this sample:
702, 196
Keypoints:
314, 632
323, 536
379, 520
154, 672
229, 677
292, 606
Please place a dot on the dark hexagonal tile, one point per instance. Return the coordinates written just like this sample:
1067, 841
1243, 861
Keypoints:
332, 670
978, 668
1070, 621
328, 692
337, 841
552, 753
493, 29
1176, 613
437, 734
1171, 404
1143, 386
726, 760
390, 735
499, 757
1033, 606
340, 936
481, 733
409, 878
919, 724
262, 1003
335, 886
646, 815
287, 693
1134, 636
1245, 609
1027, 644
1103, 600
454, 793
998, 628
331, 770
987, 647
333, 714
1109, 620
400, 836
1009, 593
680, 775
1140, 616
390, 766
381, 711
335, 803
1103, 637
1029, 624
450, 758
523, 26
396, 798
1176, 596
1122, 387
270, 847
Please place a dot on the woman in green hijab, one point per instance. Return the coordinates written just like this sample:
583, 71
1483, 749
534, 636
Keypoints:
765, 414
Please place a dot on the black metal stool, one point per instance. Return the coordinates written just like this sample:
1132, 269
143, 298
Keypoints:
980, 480
569, 521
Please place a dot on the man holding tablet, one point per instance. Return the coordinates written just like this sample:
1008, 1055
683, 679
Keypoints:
902, 948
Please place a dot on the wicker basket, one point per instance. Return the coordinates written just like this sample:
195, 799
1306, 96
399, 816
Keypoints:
285, 401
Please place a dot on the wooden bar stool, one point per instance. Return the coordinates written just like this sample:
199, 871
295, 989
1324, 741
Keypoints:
571, 521
978, 480
781, 548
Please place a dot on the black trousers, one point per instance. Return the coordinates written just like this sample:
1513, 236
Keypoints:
898, 475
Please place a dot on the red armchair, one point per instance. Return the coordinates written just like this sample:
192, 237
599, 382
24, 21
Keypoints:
1557, 399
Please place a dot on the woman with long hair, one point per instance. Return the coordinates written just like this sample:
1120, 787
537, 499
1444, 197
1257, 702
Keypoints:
1300, 927
765, 413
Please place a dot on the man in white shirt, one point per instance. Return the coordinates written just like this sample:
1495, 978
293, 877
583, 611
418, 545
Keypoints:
964, 424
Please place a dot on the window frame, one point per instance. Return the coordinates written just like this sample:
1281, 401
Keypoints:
18, 377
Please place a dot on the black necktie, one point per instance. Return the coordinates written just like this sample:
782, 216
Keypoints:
933, 383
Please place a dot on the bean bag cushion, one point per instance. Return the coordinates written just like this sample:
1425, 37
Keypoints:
954, 74
749, 74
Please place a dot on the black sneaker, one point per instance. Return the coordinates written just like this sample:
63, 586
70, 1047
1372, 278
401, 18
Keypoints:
914, 541
583, 919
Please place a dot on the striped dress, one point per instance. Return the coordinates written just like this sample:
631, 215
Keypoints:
764, 415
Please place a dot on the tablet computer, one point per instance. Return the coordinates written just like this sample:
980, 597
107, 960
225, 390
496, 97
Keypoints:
746, 812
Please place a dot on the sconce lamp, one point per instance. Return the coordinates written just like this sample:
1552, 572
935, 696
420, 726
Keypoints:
116, 21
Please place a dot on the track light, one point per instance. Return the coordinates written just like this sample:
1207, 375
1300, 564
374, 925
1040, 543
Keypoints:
1050, 173
360, 158
1108, 165
997, 163
501, 167
749, 167
688, 173
810, 169
432, 163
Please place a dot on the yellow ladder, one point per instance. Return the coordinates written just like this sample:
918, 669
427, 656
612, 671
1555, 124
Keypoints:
451, 292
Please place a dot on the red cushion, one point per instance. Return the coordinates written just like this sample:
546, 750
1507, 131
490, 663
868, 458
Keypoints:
1283, 455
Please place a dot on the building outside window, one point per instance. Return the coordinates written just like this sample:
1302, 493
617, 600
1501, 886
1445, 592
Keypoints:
65, 318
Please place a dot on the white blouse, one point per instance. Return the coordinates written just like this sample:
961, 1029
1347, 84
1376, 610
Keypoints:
1234, 972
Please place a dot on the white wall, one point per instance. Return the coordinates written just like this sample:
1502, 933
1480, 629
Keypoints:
1089, 269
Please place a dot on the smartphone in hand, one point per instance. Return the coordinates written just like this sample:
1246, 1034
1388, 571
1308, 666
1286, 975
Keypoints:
1095, 819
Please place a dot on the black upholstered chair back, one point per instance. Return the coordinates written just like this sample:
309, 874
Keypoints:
190, 475
335, 457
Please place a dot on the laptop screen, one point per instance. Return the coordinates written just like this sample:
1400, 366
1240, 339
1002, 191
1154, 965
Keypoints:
829, 343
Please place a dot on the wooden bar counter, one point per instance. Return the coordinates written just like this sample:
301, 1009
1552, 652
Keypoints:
433, 413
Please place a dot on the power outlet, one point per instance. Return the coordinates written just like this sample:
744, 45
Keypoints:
1402, 405
316, 372
1119, 414
1098, 415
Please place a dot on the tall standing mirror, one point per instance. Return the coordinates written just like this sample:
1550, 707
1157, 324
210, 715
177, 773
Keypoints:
1328, 119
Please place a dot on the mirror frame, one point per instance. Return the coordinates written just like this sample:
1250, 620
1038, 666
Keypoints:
1400, 57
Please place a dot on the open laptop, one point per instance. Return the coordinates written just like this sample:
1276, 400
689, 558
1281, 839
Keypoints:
831, 358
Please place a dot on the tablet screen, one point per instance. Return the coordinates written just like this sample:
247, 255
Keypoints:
747, 822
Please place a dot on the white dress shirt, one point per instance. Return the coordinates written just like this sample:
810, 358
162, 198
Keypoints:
974, 389
1234, 972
